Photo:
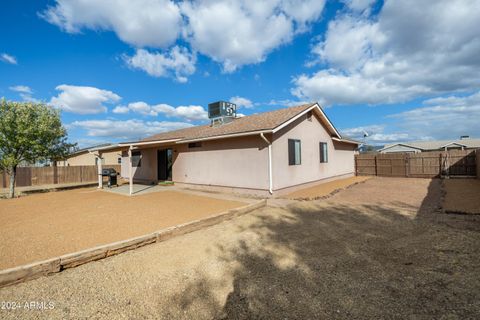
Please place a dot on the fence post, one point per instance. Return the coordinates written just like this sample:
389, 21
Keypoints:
407, 165
376, 173
440, 164
355, 164
55, 174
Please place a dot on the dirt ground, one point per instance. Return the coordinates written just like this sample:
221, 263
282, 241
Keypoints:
378, 250
46, 225
462, 196
324, 189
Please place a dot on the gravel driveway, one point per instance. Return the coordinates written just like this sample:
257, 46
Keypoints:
376, 250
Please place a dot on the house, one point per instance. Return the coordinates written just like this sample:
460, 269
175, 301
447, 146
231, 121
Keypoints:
464, 143
264, 153
83, 157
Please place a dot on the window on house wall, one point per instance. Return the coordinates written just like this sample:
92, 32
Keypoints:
294, 152
136, 158
119, 160
194, 145
323, 152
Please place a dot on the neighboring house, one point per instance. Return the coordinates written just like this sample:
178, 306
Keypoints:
263, 153
464, 143
84, 157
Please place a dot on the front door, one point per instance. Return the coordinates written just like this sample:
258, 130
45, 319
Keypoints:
164, 161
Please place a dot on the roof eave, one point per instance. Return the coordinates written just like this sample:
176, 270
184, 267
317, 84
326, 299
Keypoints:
145, 143
314, 106
225, 136
450, 143
400, 144
347, 141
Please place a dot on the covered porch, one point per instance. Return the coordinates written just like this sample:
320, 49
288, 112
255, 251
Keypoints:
144, 164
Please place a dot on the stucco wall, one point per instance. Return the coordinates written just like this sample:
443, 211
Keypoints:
88, 159
243, 162
148, 168
311, 133
235, 162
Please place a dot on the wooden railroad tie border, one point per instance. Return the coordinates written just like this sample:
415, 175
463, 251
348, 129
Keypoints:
53, 265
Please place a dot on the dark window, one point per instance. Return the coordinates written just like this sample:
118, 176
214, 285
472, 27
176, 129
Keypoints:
323, 152
194, 145
136, 158
119, 160
294, 152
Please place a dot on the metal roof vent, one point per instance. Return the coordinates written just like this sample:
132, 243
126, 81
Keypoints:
221, 112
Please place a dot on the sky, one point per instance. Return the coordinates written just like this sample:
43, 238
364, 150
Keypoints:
121, 70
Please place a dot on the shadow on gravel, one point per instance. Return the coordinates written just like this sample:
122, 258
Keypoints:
315, 260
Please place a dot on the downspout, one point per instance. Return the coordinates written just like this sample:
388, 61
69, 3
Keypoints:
270, 176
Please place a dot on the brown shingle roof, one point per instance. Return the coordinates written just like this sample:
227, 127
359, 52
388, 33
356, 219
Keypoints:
256, 122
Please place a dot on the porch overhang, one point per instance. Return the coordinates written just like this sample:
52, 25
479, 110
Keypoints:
147, 144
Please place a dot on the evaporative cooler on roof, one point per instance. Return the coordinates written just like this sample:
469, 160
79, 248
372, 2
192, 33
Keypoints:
221, 112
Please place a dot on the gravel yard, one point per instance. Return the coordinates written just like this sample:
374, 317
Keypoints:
462, 196
376, 250
325, 189
47, 225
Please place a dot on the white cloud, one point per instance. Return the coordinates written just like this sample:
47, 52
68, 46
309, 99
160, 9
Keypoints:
25, 92
447, 117
376, 135
154, 23
178, 61
121, 109
21, 89
8, 58
187, 113
83, 100
443, 118
359, 5
125, 130
412, 49
231, 32
142, 108
242, 102
349, 42
328, 87
286, 103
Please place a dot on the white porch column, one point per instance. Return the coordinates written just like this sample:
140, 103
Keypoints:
99, 166
130, 169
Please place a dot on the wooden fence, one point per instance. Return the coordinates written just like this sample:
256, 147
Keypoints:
419, 165
36, 176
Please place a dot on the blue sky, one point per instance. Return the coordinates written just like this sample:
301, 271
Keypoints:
121, 70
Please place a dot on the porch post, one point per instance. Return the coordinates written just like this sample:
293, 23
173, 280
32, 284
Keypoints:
130, 169
99, 166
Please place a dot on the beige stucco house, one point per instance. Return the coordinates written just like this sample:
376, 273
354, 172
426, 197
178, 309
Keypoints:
267, 153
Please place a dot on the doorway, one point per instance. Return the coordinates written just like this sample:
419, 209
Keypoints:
164, 162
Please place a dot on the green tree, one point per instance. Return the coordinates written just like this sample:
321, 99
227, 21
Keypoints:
29, 132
